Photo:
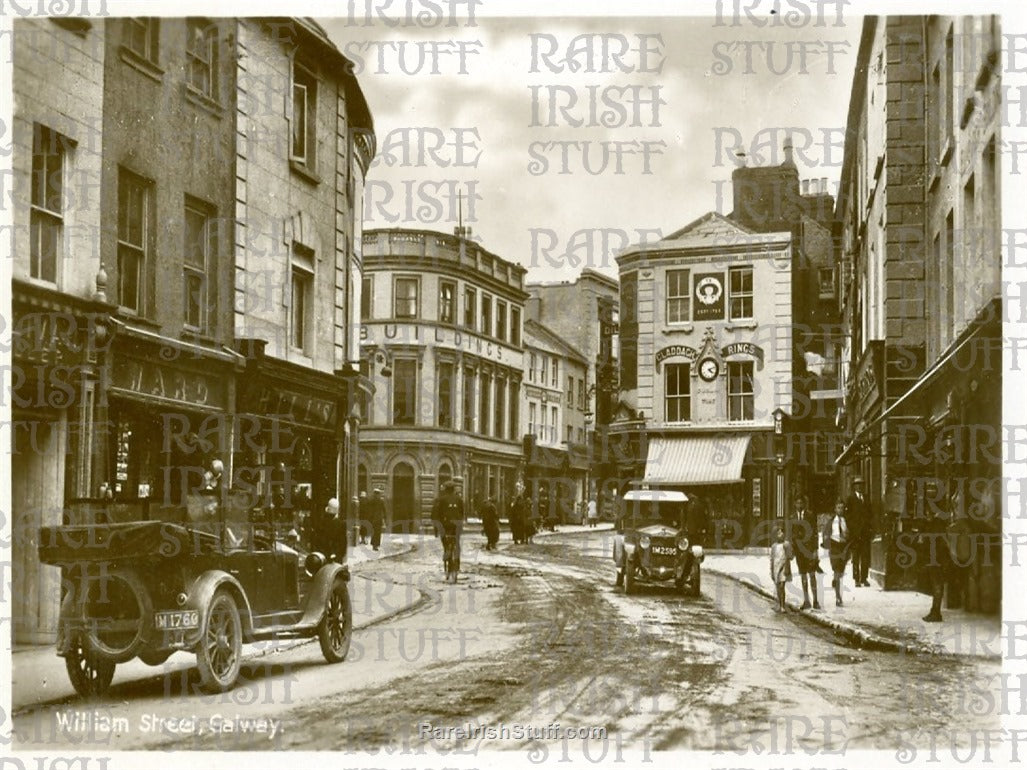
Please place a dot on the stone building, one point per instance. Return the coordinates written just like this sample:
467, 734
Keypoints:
919, 210
442, 342
184, 272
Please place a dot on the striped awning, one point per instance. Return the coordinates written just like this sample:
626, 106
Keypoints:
696, 459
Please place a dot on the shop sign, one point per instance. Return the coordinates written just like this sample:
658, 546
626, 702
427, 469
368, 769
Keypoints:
406, 334
684, 351
148, 378
744, 349
757, 502
709, 297
864, 386
296, 407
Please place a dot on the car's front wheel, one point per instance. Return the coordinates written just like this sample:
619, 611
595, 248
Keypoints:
336, 627
219, 653
90, 674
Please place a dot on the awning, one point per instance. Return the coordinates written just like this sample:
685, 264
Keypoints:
696, 459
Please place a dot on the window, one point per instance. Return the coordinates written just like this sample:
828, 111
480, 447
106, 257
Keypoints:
532, 419
971, 237
949, 94
141, 36
947, 283
678, 296
532, 368
740, 392
741, 293
404, 391
484, 404
302, 303
133, 240
935, 99
555, 381
447, 302
570, 434
367, 297
500, 320
554, 424
47, 213
486, 314
581, 394
544, 372
825, 279
304, 116
515, 326
823, 458
677, 393
198, 261
201, 56
445, 396
570, 391
512, 427
500, 410
470, 307
468, 400
406, 295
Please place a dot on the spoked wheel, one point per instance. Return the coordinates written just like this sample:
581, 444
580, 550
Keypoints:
336, 627
90, 674
219, 653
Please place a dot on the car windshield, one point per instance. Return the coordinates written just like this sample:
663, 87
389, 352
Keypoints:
640, 513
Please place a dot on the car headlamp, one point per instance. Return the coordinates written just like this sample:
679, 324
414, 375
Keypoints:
682, 543
644, 541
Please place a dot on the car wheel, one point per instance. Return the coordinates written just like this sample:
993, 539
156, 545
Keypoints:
336, 627
118, 612
629, 579
218, 655
696, 580
90, 674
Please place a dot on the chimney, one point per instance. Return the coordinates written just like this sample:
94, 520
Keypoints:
740, 154
823, 185
788, 152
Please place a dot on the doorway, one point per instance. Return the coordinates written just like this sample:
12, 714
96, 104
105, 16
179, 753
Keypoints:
403, 505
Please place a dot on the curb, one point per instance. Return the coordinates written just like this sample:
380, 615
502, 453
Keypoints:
858, 637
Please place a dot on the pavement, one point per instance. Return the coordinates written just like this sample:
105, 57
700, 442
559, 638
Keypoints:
38, 673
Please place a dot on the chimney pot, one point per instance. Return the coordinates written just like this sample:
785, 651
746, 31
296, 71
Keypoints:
805, 187
823, 185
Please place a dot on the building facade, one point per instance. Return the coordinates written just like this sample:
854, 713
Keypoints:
442, 342
554, 404
919, 210
706, 372
151, 330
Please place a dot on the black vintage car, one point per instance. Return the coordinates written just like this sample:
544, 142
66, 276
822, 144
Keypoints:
208, 584
654, 544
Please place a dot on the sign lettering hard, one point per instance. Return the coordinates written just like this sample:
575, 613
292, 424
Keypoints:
682, 351
301, 408
745, 349
446, 337
709, 297
149, 378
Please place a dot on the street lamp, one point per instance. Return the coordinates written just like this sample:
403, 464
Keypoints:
383, 359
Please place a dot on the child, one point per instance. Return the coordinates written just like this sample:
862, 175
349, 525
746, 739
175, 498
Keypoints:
780, 566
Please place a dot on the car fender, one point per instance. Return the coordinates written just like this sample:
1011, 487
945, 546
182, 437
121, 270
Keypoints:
317, 599
202, 591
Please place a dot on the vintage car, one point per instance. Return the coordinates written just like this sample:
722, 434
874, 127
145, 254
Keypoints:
208, 584
652, 544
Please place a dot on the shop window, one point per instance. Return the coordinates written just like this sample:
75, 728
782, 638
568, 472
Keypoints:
500, 410
470, 307
513, 428
740, 391
201, 57
486, 314
367, 298
406, 297
141, 36
133, 240
302, 299
304, 116
198, 262
678, 297
404, 393
515, 326
500, 320
445, 395
447, 302
741, 293
484, 405
677, 392
47, 207
468, 399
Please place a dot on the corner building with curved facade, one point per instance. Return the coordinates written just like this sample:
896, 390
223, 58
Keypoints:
441, 340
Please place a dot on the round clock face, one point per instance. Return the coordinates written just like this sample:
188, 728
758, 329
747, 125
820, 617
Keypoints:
708, 369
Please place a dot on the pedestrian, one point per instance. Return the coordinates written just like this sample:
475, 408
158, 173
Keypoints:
518, 515
805, 538
836, 540
780, 566
935, 557
448, 515
332, 533
592, 512
490, 524
376, 517
362, 518
859, 518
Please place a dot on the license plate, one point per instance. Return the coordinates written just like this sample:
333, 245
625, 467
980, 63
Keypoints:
167, 621
664, 550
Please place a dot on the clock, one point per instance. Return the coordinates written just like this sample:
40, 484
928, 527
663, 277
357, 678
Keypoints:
709, 369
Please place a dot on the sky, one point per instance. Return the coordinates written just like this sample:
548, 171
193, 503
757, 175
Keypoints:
576, 137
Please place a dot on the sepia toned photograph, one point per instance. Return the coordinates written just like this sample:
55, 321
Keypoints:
452, 384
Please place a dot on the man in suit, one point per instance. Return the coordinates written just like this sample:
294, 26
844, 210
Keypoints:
858, 518
333, 535
376, 517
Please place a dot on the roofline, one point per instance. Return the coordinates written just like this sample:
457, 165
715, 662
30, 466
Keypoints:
569, 349
378, 230
857, 96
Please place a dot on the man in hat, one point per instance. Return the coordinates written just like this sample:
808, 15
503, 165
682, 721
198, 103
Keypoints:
361, 530
333, 533
448, 515
858, 518
376, 516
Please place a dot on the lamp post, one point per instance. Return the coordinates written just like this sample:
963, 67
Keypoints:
779, 465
